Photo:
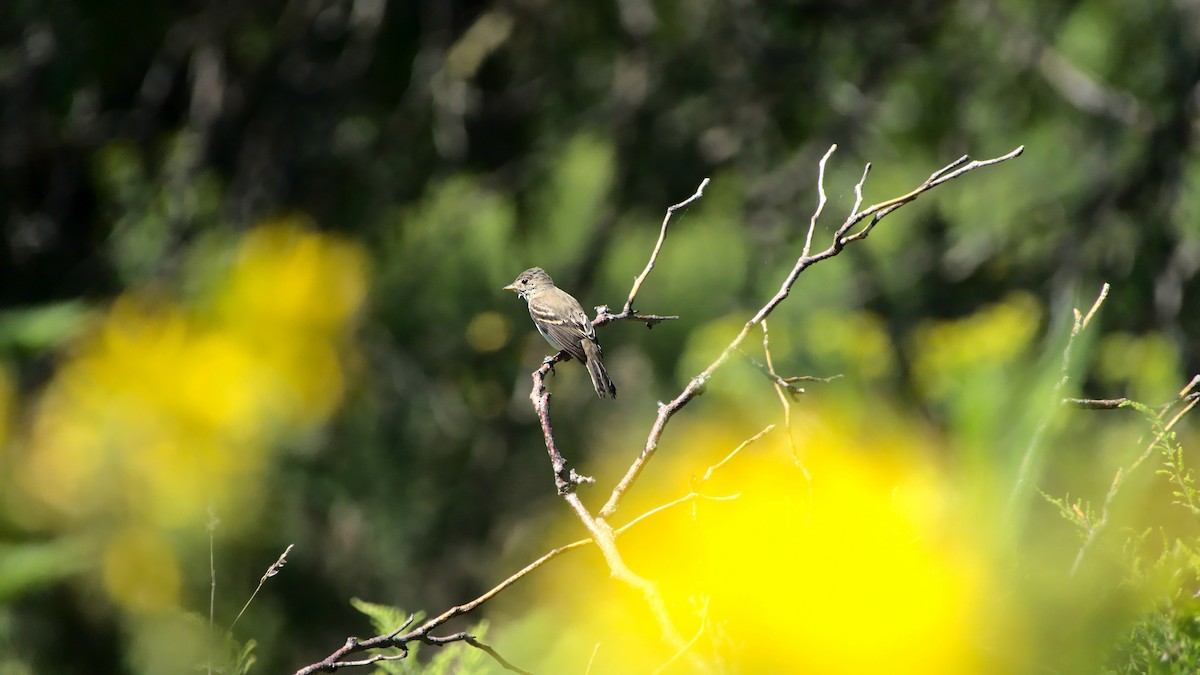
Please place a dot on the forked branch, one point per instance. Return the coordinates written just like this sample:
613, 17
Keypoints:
840, 239
566, 480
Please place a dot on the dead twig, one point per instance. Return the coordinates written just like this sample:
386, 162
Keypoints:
784, 390
336, 660
628, 311
695, 638
789, 384
746, 443
1097, 403
840, 239
602, 535
604, 315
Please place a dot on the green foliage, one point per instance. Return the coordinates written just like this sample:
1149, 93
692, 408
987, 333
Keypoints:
32, 565
453, 242
1165, 639
1078, 512
1166, 642
385, 618
34, 330
570, 201
1174, 466
239, 659
154, 208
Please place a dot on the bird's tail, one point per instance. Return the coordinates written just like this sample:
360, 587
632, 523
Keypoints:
595, 364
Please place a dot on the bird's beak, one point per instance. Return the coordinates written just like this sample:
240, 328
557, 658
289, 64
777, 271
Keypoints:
510, 287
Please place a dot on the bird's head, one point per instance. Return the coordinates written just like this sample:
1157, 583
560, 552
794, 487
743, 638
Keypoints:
531, 280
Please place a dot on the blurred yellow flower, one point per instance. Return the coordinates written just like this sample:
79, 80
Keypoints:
289, 299
865, 569
290, 277
141, 573
167, 409
991, 339
1146, 367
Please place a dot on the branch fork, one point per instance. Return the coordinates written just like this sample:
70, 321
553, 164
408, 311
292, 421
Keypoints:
567, 480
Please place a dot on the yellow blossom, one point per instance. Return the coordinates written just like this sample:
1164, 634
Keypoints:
166, 409
862, 569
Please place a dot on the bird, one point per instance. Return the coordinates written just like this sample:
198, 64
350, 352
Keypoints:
561, 320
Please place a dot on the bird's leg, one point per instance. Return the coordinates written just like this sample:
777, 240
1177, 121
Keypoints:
555, 358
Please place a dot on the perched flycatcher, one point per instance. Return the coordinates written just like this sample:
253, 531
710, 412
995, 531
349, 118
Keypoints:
560, 319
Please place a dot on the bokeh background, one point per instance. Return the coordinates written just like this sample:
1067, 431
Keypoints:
250, 274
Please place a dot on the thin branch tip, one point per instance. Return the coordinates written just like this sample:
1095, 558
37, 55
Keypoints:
627, 310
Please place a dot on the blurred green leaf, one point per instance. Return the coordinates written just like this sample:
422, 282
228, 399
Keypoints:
28, 567
570, 202
38, 329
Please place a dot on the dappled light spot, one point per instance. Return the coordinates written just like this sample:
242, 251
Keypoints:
141, 572
488, 332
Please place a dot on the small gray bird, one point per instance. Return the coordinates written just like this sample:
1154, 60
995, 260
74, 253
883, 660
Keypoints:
560, 319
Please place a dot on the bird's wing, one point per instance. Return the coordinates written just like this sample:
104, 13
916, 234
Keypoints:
565, 328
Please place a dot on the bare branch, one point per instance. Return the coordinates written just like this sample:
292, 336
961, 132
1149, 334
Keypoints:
605, 540
566, 480
950, 167
858, 188
784, 390
401, 627
662, 236
601, 533
471, 640
369, 660
789, 383
812, 222
746, 443
696, 386
689, 497
592, 659
947, 173
690, 643
1095, 306
1097, 403
353, 645
394, 639
604, 315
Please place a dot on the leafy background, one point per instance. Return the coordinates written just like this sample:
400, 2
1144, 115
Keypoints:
250, 273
